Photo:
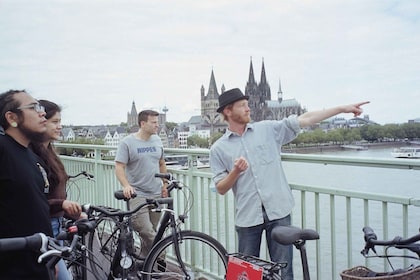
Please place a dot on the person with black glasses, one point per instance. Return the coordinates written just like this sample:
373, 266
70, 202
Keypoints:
24, 185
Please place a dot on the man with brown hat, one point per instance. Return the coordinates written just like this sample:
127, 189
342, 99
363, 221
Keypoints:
247, 160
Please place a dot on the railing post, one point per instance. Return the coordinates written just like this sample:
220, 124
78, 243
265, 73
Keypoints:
98, 175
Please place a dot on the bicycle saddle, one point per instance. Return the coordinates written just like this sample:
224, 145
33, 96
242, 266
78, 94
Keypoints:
287, 235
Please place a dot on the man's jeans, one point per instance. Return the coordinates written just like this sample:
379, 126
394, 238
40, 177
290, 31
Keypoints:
249, 239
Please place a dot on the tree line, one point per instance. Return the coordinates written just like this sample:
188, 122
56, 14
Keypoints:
369, 133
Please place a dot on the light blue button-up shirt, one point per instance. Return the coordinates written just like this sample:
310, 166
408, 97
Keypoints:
264, 182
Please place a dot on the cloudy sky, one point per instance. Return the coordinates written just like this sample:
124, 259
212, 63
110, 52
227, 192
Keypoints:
95, 57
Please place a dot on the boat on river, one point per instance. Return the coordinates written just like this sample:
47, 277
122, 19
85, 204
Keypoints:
406, 152
181, 162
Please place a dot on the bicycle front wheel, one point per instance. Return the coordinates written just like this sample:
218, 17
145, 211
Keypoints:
102, 244
202, 255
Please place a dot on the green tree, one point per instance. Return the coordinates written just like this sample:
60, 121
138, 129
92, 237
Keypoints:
411, 130
318, 136
335, 136
215, 136
197, 141
371, 132
171, 125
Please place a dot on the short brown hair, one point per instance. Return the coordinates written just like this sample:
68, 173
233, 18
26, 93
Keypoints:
144, 115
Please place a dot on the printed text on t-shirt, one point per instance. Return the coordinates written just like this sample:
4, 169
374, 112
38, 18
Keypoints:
146, 150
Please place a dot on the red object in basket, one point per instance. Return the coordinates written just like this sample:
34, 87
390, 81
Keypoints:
242, 270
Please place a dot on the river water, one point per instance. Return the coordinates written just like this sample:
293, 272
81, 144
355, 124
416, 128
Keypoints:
376, 180
402, 183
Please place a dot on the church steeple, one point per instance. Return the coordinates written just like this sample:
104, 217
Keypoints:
133, 109
132, 116
209, 105
212, 93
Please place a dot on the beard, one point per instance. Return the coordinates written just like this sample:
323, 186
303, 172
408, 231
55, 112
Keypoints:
242, 119
30, 134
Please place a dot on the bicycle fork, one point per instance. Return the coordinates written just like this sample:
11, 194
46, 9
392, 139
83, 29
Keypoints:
177, 239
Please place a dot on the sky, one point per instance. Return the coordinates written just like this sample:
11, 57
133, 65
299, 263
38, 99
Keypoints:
95, 57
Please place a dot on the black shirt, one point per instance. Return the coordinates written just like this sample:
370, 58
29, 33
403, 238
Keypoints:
24, 208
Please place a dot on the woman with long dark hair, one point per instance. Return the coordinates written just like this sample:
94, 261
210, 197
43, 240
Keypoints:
57, 176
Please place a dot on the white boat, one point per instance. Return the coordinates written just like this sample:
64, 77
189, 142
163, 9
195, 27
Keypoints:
406, 152
181, 162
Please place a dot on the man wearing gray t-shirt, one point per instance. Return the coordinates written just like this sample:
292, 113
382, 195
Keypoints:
139, 157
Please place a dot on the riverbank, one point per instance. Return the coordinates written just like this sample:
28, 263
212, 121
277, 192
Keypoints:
327, 147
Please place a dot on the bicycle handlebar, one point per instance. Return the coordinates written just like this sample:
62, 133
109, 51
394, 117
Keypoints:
173, 184
371, 241
83, 173
37, 242
167, 176
112, 212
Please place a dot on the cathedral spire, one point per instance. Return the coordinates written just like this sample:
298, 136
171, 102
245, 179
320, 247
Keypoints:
263, 86
251, 79
263, 79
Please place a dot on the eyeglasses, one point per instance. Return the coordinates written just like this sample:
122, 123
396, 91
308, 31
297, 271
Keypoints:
36, 106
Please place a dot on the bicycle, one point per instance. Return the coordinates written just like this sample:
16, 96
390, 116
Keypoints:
176, 254
266, 270
49, 247
371, 240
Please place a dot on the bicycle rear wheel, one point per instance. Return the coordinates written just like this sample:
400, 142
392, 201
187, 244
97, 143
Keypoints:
203, 256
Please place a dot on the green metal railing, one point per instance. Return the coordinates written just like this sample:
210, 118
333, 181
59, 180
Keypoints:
337, 214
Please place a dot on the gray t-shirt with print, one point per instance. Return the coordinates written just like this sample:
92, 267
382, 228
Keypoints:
142, 162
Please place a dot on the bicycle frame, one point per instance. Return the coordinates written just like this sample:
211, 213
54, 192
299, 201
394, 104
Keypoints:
122, 259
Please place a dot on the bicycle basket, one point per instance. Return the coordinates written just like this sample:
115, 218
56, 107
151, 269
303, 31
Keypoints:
364, 273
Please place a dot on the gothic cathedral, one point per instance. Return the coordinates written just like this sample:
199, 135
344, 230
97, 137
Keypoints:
260, 103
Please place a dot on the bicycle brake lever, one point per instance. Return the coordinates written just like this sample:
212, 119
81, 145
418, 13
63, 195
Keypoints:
48, 254
365, 251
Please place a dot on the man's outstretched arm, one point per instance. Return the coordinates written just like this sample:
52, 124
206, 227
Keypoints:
311, 118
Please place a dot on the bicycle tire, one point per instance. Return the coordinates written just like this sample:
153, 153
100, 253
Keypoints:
203, 256
103, 244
